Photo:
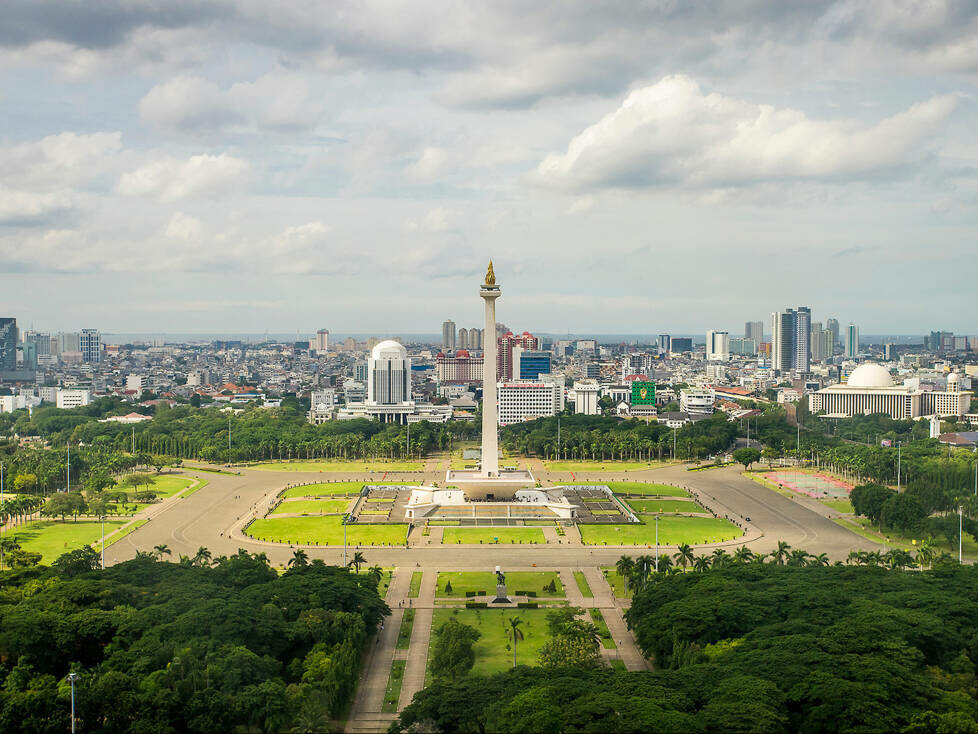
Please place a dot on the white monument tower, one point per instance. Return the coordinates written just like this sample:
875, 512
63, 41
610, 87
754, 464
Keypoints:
490, 447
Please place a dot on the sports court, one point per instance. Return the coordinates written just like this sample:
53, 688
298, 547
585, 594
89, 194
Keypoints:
812, 485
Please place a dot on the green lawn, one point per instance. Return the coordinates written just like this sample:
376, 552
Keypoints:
415, 584
325, 530
598, 618
618, 664
404, 633
488, 535
641, 488
605, 512
463, 581
165, 485
121, 534
664, 506
616, 582
583, 585
339, 466
393, 692
491, 655
201, 483
51, 538
843, 506
608, 465
313, 507
324, 490
673, 530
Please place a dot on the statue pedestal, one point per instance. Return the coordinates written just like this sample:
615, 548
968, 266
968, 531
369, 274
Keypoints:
501, 597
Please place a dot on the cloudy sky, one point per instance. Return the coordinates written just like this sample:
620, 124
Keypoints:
170, 165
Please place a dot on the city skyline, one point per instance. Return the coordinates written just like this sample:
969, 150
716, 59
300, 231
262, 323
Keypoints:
196, 168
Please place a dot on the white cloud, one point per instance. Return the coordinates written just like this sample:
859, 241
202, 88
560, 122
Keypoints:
59, 161
672, 134
200, 176
184, 227
27, 207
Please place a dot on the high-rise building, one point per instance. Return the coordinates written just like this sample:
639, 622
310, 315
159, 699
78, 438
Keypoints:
530, 364
526, 401
586, 397
717, 346
462, 339
448, 335
460, 368
680, 344
754, 330
90, 345
389, 375
833, 326
888, 352
321, 344
504, 354
8, 343
743, 346
790, 339
665, 344
852, 340
821, 342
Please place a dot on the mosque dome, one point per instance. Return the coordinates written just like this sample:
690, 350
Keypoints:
870, 375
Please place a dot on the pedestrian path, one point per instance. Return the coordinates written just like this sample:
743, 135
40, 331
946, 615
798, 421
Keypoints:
417, 658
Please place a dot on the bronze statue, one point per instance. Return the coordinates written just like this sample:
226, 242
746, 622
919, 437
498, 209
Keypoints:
490, 275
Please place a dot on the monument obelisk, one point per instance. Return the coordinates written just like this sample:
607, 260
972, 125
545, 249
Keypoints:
490, 448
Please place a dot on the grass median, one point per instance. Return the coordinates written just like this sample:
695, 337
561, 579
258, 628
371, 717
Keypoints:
325, 530
664, 506
474, 581
476, 536
673, 530
313, 507
339, 466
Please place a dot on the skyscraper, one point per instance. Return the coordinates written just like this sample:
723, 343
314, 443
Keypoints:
462, 339
821, 342
717, 346
754, 330
90, 345
389, 375
852, 340
8, 343
322, 341
504, 358
665, 344
833, 326
448, 334
790, 339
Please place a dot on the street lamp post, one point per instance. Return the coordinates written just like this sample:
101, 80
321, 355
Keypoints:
899, 463
657, 541
960, 529
674, 443
344, 539
72, 677
3, 519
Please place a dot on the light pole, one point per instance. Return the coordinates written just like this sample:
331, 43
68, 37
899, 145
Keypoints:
657, 541
133, 439
72, 677
899, 462
344, 539
102, 520
3, 519
68, 469
674, 443
960, 528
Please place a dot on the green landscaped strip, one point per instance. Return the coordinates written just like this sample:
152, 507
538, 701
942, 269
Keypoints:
664, 506
608, 465
165, 485
127, 530
617, 664
404, 633
393, 693
605, 512
598, 618
636, 488
378, 499
443, 523
475, 581
340, 466
583, 585
415, 588
376, 513
312, 507
323, 490
475, 536
201, 483
616, 582
491, 655
52, 538
325, 530
843, 506
673, 530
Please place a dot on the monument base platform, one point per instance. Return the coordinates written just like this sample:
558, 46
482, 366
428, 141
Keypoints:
478, 486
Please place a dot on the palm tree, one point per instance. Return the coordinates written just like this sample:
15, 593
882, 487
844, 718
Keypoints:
759, 558
720, 558
665, 563
357, 561
162, 550
202, 557
743, 554
685, 555
514, 626
645, 564
781, 553
820, 560
625, 566
376, 573
299, 558
701, 563
798, 557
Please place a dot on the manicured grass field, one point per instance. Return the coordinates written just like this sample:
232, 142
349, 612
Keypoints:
339, 466
673, 530
394, 682
607, 465
165, 485
641, 488
464, 581
404, 633
476, 536
616, 582
491, 655
843, 506
664, 506
415, 588
201, 483
598, 618
605, 512
51, 538
313, 507
324, 490
583, 585
121, 534
325, 530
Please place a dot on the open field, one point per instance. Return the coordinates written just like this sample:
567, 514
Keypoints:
673, 530
843, 506
339, 466
324, 490
811, 484
163, 485
491, 655
325, 530
476, 536
639, 488
469, 581
607, 465
313, 507
133, 527
51, 538
664, 506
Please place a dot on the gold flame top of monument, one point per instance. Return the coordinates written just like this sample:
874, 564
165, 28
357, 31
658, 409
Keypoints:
490, 275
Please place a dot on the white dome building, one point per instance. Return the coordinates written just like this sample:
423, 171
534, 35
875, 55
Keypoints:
871, 389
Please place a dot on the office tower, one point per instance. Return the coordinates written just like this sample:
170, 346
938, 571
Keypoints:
388, 375
754, 330
821, 342
504, 355
717, 346
680, 344
888, 352
790, 337
833, 326
448, 335
852, 340
665, 344
462, 338
69, 341
8, 343
743, 346
90, 345
530, 364
322, 341
586, 400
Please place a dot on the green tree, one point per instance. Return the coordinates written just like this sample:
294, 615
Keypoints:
453, 655
358, 560
515, 634
746, 456
868, 500
903, 512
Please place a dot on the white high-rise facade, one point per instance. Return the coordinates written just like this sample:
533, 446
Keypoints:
90, 345
717, 346
586, 397
388, 375
321, 344
448, 334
